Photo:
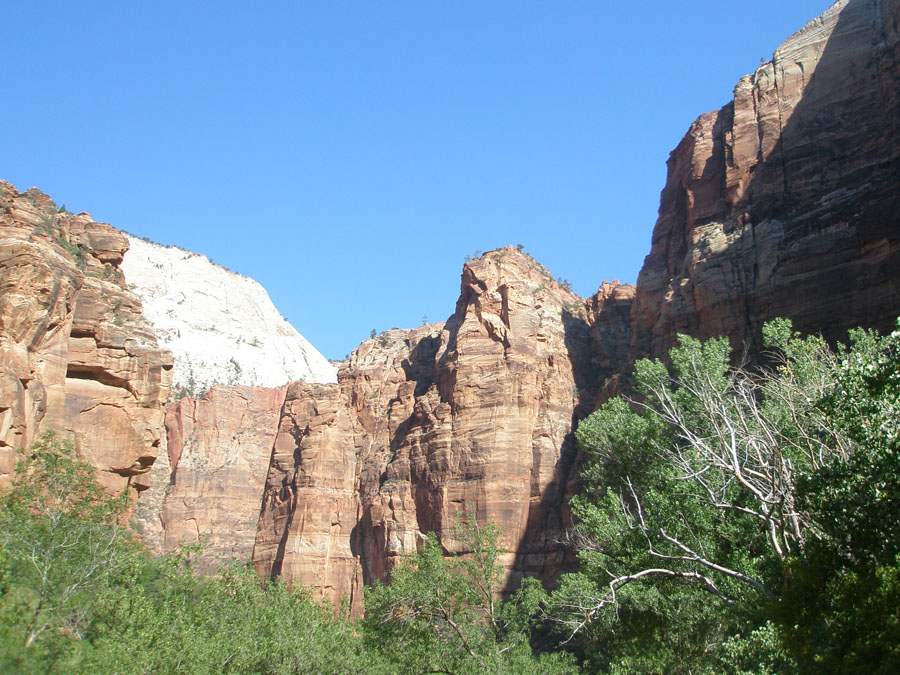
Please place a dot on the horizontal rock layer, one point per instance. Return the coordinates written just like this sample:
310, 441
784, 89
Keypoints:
76, 356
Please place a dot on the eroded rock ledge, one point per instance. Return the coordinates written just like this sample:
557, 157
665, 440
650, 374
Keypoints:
76, 356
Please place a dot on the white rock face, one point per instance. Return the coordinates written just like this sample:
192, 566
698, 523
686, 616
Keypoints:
221, 327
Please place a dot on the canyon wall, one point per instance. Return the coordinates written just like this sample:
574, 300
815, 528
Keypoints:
76, 355
432, 426
206, 485
782, 203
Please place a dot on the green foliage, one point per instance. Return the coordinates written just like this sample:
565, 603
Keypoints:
77, 596
60, 542
77, 251
742, 521
169, 619
443, 615
840, 610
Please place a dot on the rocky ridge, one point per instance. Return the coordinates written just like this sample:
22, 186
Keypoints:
782, 203
221, 327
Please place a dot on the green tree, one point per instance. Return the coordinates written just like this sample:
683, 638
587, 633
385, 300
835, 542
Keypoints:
60, 540
443, 614
840, 611
690, 515
742, 519
171, 619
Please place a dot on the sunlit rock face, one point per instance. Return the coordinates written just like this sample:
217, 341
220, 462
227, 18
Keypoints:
431, 426
782, 203
221, 327
785, 202
310, 504
207, 484
76, 355
234, 356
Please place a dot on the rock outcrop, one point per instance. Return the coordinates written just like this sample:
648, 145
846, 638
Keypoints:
431, 426
221, 327
785, 201
782, 203
310, 506
76, 356
206, 487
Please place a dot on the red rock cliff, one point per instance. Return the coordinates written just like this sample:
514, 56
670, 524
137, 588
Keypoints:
207, 484
76, 357
782, 203
432, 425
785, 202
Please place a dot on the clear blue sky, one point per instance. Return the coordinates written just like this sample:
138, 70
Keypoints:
349, 155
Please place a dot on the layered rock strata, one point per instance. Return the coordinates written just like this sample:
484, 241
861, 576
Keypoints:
431, 426
785, 202
206, 487
76, 356
782, 203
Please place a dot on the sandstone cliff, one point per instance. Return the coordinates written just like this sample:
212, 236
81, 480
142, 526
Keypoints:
221, 327
430, 426
76, 356
782, 203
785, 201
206, 486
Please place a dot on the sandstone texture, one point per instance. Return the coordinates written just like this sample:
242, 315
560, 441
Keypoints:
782, 203
431, 426
310, 506
221, 327
785, 202
76, 355
207, 485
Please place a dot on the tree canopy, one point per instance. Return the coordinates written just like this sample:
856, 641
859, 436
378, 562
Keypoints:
739, 520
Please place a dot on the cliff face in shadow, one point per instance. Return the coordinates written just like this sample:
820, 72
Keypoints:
785, 201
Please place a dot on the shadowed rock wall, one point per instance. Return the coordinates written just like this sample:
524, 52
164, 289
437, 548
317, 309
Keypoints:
785, 202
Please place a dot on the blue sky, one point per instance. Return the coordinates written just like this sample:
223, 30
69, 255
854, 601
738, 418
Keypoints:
349, 155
